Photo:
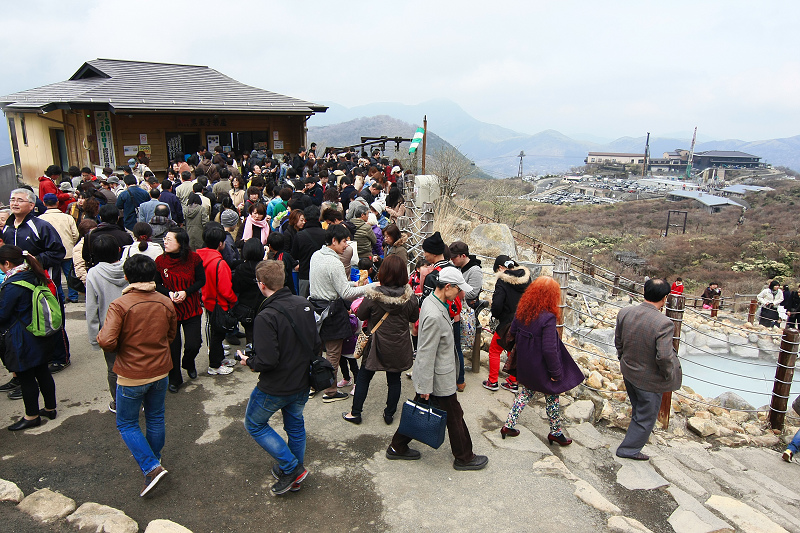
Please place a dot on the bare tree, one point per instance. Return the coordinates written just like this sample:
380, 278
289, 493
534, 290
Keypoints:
451, 168
501, 194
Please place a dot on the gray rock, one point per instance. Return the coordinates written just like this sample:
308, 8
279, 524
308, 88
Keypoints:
737, 340
692, 517
701, 426
626, 524
676, 475
492, 240
745, 351
10, 492
553, 466
587, 435
715, 340
165, 526
639, 475
752, 337
102, 519
525, 442
582, 410
747, 519
589, 495
536, 270
47, 506
731, 400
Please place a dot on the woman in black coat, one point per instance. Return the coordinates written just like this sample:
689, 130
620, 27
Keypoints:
244, 283
543, 364
24, 353
512, 280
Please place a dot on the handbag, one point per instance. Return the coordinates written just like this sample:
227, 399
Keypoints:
244, 313
74, 282
423, 422
321, 374
222, 319
362, 342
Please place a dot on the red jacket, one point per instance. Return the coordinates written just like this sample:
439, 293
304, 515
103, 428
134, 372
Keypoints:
47, 185
216, 290
677, 289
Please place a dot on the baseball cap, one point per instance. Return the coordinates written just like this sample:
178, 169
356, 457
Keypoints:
453, 276
49, 198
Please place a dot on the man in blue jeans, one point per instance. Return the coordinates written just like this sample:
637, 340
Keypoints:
284, 335
139, 326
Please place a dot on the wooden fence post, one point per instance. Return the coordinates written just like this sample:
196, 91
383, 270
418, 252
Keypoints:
715, 306
675, 305
751, 312
561, 275
784, 373
615, 290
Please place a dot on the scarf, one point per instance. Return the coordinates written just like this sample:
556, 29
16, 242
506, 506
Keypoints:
248, 228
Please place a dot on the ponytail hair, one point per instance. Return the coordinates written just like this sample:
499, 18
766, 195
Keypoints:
142, 231
16, 256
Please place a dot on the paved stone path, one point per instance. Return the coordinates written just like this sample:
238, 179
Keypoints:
219, 478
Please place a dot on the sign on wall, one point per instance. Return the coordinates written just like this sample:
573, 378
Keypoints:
142, 138
212, 141
278, 145
130, 149
105, 142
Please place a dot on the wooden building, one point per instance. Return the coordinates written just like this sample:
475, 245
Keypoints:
111, 109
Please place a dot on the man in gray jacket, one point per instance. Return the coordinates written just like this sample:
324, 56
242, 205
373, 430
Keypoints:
435, 370
648, 362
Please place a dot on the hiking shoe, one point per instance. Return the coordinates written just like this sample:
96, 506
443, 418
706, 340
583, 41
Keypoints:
491, 385
408, 455
222, 371
787, 455
277, 473
335, 397
11, 385
344, 383
287, 481
55, 368
477, 463
15, 394
229, 362
509, 386
112, 406
151, 479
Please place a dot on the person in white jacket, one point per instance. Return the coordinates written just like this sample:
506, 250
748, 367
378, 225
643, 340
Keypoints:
770, 299
104, 284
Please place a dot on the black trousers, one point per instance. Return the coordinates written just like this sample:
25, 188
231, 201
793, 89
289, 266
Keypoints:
214, 338
460, 441
32, 381
192, 340
362, 388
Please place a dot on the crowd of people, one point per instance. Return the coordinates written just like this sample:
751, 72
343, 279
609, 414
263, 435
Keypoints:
303, 255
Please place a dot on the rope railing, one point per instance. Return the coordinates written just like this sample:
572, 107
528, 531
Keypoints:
731, 326
719, 339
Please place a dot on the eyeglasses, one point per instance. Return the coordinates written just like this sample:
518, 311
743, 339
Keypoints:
19, 201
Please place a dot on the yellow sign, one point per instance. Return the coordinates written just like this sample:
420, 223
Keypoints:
145, 148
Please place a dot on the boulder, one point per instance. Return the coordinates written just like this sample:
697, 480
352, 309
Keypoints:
701, 426
731, 400
492, 240
10, 492
165, 526
595, 380
753, 429
47, 506
102, 518
582, 410
745, 351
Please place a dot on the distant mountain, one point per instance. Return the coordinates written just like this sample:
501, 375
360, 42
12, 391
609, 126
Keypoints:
350, 133
496, 149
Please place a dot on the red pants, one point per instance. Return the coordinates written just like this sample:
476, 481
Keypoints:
495, 351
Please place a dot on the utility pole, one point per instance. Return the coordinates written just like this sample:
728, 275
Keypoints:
424, 139
646, 154
691, 156
521, 155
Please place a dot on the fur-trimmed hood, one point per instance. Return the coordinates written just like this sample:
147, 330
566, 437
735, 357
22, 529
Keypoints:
518, 276
402, 241
390, 296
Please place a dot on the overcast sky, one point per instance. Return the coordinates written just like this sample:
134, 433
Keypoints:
608, 69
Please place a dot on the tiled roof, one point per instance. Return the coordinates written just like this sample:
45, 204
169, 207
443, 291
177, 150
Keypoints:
124, 86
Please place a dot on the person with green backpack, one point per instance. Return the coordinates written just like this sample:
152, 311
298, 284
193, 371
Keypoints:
30, 319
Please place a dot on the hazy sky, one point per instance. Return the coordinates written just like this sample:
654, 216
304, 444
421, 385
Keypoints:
603, 68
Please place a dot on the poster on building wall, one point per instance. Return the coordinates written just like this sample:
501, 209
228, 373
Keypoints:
275, 136
278, 145
142, 138
105, 142
213, 142
130, 149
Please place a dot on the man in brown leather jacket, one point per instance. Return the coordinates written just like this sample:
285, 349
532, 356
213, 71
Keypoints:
140, 326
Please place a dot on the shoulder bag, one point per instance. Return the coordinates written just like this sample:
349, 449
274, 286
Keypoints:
363, 342
222, 319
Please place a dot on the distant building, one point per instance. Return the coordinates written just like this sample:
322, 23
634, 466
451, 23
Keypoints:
725, 159
671, 162
611, 158
111, 109
712, 203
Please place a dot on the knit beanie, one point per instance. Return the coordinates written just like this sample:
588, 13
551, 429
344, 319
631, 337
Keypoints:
229, 218
434, 244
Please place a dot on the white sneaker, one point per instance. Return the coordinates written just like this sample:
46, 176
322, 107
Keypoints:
222, 370
353, 391
344, 383
226, 346
229, 362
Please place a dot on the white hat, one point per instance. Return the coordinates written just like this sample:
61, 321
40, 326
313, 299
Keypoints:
453, 276
396, 170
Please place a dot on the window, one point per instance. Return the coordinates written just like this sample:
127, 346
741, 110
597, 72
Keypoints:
24, 130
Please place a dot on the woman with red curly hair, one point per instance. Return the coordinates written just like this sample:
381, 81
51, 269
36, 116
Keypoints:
543, 363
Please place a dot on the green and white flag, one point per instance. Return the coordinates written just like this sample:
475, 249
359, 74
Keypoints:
416, 140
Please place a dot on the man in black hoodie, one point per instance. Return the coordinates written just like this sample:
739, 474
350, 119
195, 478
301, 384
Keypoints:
284, 340
307, 241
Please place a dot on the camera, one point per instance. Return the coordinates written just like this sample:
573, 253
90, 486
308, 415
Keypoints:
248, 352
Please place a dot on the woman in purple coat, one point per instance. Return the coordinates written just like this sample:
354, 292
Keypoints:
543, 363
